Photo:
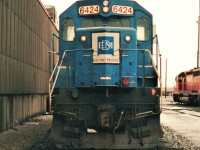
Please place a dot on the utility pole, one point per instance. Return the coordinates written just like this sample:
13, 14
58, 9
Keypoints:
198, 49
166, 78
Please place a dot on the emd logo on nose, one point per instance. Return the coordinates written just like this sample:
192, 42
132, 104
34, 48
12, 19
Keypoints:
105, 45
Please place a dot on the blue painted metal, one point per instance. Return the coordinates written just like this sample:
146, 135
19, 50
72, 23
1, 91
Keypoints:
107, 71
134, 62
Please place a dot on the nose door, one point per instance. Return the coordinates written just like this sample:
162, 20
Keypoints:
106, 58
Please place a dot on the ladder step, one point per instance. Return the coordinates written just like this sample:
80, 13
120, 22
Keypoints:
147, 77
146, 66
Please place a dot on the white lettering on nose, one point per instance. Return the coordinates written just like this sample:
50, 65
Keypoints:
105, 45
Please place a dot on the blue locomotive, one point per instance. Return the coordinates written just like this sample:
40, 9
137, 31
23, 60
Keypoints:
106, 84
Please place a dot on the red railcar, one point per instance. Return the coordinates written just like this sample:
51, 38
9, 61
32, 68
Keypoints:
187, 87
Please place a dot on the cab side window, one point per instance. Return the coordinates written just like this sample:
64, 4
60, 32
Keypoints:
68, 29
142, 29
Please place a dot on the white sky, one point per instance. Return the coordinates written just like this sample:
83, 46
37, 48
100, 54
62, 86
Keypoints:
177, 29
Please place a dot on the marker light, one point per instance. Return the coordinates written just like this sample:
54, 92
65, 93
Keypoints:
153, 91
105, 9
83, 38
105, 3
128, 38
125, 80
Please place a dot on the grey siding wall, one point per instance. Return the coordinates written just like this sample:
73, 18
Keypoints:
25, 34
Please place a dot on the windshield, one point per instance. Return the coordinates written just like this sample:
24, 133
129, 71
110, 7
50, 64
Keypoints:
113, 22
142, 29
68, 29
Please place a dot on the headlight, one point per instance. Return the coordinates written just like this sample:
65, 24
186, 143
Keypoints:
128, 38
105, 9
83, 38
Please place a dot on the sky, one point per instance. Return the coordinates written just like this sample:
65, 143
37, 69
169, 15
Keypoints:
177, 30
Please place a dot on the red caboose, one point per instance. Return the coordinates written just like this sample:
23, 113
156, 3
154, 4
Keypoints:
187, 87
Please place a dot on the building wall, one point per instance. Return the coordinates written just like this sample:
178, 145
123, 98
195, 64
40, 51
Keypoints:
25, 36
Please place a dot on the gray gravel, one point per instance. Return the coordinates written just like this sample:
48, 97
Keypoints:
173, 141
34, 135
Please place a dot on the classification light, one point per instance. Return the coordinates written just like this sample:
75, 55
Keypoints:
83, 38
128, 38
126, 81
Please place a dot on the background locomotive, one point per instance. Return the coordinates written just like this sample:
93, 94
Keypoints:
187, 83
106, 93
187, 87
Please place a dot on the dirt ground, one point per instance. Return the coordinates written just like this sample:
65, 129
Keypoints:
32, 135
35, 135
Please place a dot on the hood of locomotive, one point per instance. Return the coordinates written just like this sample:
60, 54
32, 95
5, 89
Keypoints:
106, 56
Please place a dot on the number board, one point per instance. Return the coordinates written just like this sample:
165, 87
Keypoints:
125, 10
88, 10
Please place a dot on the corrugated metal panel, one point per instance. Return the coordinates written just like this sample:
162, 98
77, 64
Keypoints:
12, 35
9, 4
2, 73
15, 38
3, 46
15, 109
8, 31
14, 75
26, 32
1, 16
10, 73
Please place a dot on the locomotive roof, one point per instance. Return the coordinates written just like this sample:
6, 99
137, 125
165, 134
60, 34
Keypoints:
137, 6
188, 72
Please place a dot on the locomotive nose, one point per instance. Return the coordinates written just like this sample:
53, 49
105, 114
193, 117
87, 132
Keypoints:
106, 58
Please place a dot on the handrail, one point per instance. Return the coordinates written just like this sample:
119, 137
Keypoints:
52, 52
64, 55
50, 79
156, 70
54, 83
146, 50
57, 74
